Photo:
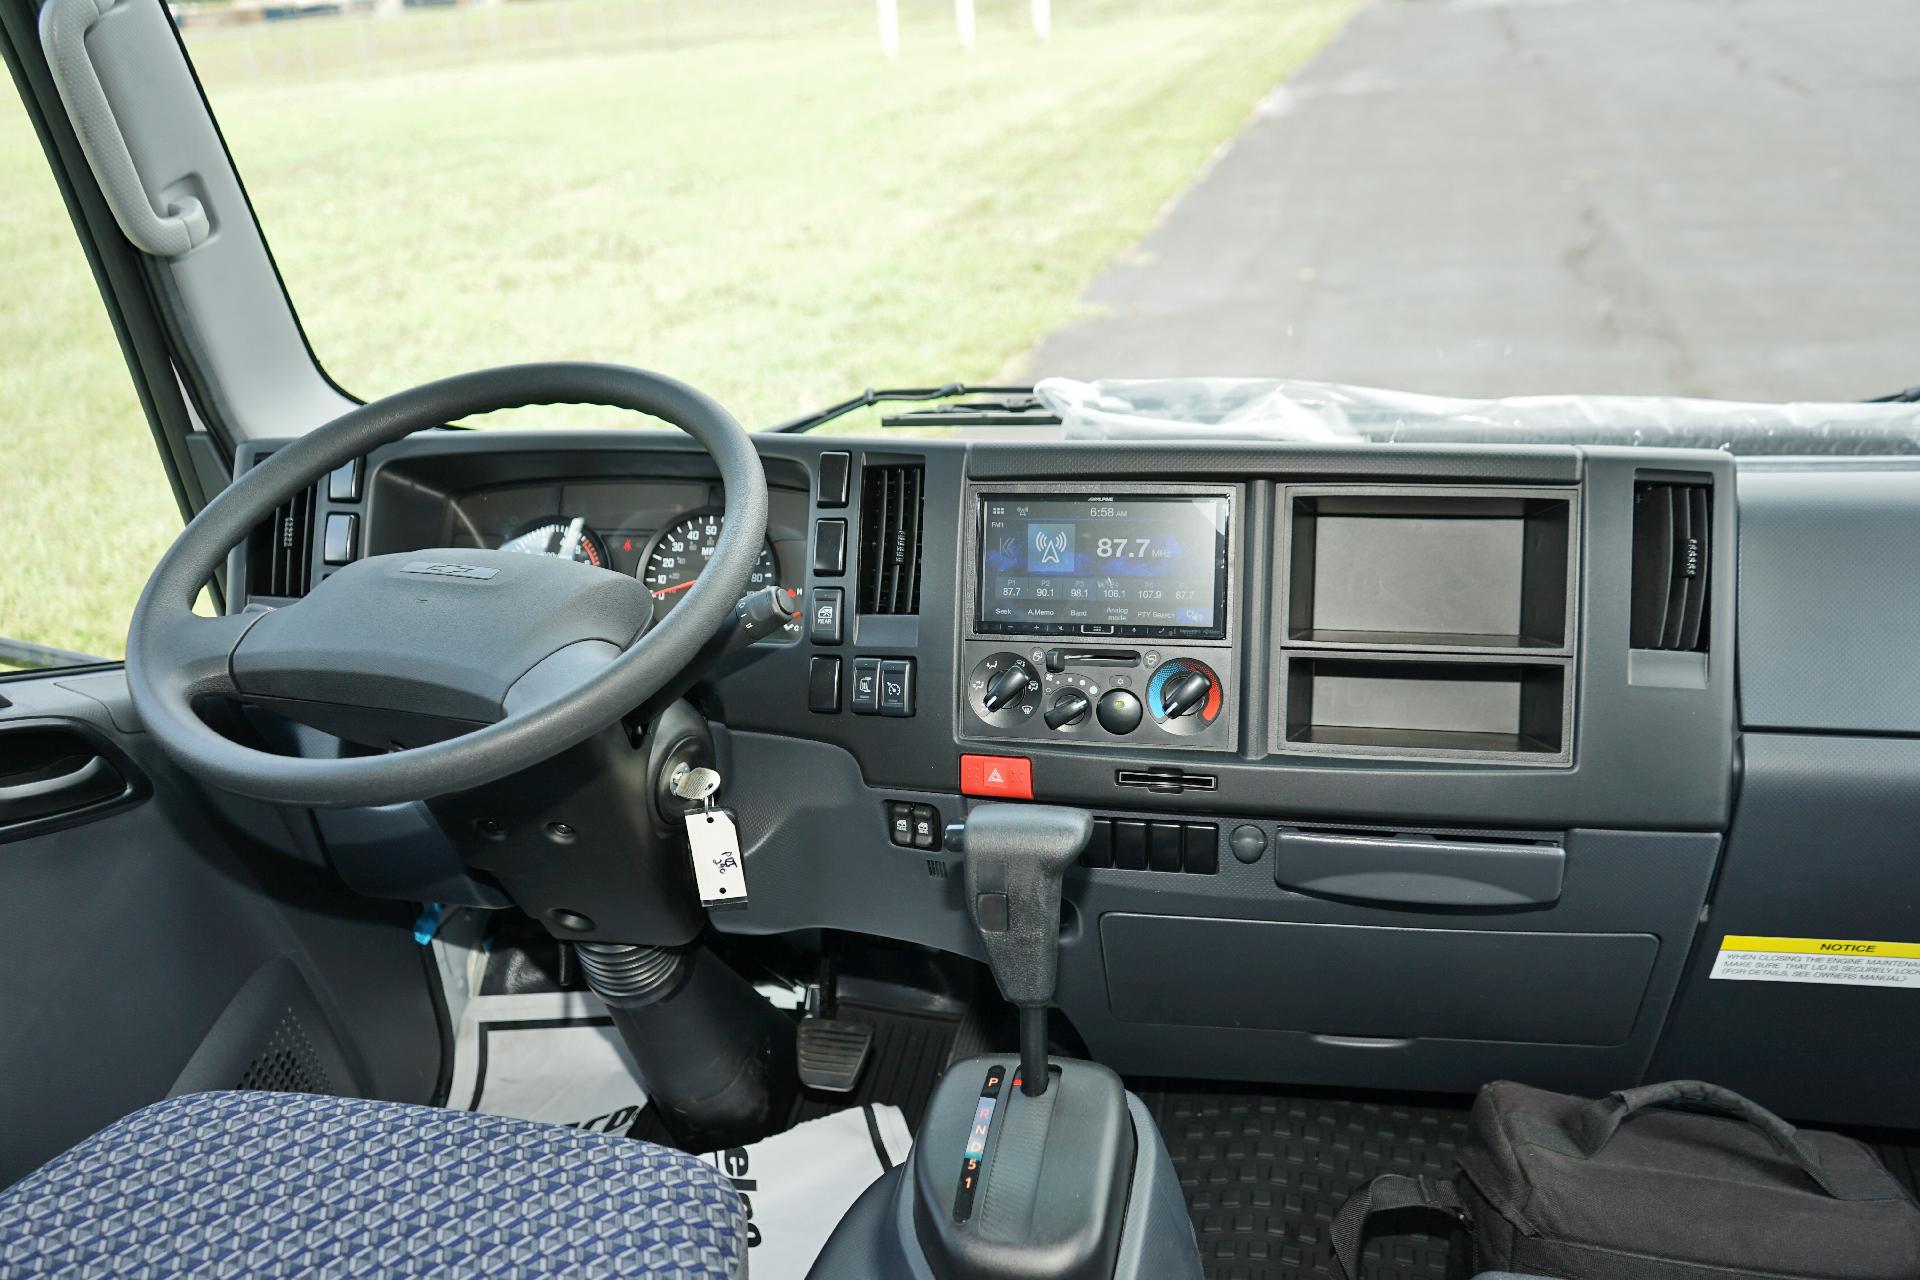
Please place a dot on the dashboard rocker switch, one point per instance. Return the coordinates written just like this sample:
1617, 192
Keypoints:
896, 687
866, 686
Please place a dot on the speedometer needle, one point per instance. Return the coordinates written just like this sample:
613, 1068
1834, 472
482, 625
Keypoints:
667, 591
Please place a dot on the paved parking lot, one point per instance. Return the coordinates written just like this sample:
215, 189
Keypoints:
1699, 197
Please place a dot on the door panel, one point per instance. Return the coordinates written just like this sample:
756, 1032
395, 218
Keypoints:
162, 939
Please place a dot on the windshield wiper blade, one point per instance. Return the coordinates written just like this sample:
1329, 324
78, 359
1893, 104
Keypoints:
870, 397
1004, 411
1910, 396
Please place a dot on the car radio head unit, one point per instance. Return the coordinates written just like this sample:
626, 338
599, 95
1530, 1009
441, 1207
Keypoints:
1121, 564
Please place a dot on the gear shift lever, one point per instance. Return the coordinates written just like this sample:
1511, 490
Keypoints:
1016, 856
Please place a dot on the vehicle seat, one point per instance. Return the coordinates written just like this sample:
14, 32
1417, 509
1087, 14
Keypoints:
278, 1184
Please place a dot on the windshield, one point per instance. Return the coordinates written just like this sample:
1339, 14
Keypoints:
784, 203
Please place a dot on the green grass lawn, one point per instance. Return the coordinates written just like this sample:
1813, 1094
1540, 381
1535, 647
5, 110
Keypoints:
742, 193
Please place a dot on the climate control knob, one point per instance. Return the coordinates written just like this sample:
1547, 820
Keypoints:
1006, 687
1186, 694
1072, 707
1185, 697
1119, 711
1004, 690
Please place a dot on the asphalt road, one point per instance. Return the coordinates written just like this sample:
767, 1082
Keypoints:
1482, 197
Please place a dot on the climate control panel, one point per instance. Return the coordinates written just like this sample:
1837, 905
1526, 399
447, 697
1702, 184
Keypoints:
1106, 694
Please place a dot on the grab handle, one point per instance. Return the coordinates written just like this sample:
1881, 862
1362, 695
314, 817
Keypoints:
63, 37
1599, 1121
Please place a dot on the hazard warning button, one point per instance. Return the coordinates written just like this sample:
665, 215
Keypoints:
1008, 777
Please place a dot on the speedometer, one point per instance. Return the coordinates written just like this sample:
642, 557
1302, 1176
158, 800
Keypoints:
680, 551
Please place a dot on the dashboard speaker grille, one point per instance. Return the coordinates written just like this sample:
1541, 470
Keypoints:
1672, 542
280, 552
892, 519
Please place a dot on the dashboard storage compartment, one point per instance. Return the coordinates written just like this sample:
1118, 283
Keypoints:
1429, 705
1425, 568
1377, 982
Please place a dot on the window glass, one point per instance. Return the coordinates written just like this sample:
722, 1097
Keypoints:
85, 508
747, 194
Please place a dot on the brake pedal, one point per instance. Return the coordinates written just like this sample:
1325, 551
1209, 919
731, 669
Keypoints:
833, 1053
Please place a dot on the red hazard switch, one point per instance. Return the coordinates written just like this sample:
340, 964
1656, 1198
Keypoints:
1008, 777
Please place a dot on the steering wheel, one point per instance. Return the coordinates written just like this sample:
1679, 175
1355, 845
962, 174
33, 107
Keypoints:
518, 656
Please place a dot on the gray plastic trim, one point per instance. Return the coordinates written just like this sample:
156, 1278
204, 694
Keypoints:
63, 36
1419, 870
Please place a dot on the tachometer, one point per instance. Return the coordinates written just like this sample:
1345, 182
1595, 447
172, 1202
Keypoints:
680, 551
570, 538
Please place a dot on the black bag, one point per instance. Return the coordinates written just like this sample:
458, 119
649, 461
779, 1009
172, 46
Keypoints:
1677, 1181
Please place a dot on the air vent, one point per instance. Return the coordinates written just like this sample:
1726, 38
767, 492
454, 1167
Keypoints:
1672, 550
280, 552
891, 519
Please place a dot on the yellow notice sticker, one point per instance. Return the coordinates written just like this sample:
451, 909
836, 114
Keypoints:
1843, 962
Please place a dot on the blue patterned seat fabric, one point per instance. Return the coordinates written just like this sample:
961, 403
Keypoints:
280, 1184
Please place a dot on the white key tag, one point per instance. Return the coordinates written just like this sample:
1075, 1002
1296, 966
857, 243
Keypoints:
719, 872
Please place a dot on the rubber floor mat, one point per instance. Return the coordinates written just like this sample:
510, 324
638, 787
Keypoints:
1265, 1173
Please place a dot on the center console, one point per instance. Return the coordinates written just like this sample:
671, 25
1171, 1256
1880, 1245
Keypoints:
1037, 1168
1101, 616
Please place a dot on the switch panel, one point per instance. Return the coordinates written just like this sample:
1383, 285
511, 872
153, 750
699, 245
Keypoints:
913, 826
1161, 697
1140, 844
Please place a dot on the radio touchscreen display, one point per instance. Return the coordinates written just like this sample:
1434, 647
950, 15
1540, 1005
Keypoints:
1108, 565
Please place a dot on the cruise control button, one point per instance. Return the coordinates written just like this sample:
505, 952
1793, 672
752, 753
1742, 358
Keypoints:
896, 687
1004, 777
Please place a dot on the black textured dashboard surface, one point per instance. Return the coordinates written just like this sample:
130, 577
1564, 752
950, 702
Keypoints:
1264, 1175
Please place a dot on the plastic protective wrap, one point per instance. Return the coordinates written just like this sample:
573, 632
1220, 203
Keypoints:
1331, 413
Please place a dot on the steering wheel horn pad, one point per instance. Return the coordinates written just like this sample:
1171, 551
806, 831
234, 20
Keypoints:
436, 637
445, 637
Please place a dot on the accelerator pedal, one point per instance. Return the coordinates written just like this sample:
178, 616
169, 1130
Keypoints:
833, 1053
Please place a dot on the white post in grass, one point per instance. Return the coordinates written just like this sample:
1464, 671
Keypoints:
1042, 19
963, 22
889, 15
